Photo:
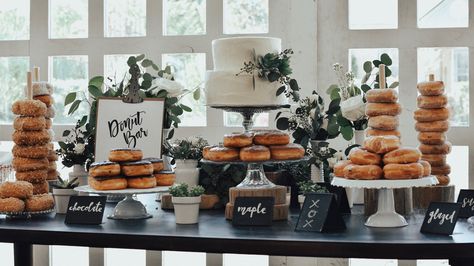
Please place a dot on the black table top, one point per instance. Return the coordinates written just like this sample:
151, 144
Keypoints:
216, 235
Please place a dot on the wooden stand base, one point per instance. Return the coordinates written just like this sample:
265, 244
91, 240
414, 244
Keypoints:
280, 212
422, 196
207, 202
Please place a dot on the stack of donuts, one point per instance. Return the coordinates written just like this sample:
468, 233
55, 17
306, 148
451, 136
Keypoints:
255, 146
18, 196
432, 124
126, 168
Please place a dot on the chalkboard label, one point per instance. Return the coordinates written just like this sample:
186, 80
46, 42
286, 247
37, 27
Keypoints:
341, 197
466, 199
253, 211
85, 210
320, 213
441, 218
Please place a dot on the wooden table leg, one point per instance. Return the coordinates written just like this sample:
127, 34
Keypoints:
461, 262
23, 254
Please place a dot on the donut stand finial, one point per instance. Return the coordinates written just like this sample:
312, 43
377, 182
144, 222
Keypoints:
36, 70
134, 87
431, 77
29, 86
382, 76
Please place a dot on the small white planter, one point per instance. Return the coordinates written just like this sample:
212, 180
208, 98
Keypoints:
186, 209
187, 172
61, 198
79, 171
301, 199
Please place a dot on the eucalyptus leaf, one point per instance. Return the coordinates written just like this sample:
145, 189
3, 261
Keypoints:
74, 107
197, 94
62, 145
172, 100
140, 57
168, 70
386, 60
394, 85
83, 121
331, 88
185, 108
365, 88
146, 63
170, 134
368, 67
377, 63
97, 81
333, 106
347, 132
132, 60
146, 84
147, 76
66, 133
282, 123
294, 85
335, 94
333, 128
70, 98
281, 90
94, 91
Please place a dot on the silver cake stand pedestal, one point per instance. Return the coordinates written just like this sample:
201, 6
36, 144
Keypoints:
129, 208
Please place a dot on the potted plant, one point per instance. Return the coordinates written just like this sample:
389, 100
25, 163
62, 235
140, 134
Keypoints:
308, 186
186, 202
62, 192
186, 153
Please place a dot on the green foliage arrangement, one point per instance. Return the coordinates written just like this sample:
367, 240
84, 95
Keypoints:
188, 148
308, 186
78, 145
183, 190
65, 184
217, 179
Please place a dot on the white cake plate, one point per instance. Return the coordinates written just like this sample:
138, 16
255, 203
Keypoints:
386, 216
128, 208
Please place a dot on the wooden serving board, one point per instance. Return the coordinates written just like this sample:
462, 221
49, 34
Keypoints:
280, 212
277, 192
423, 196
207, 202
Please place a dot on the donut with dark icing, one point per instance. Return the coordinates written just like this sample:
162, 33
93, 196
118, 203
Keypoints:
105, 168
138, 168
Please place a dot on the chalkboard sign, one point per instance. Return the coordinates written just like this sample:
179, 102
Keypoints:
320, 214
85, 210
441, 218
466, 199
253, 211
341, 197
129, 125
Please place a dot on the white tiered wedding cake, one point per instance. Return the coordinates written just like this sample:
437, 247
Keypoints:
225, 88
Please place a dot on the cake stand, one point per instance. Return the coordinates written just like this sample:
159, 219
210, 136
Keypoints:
26, 215
129, 208
386, 216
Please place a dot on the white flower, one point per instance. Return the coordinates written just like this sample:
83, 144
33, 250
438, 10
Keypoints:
353, 108
339, 155
80, 148
313, 98
331, 162
173, 88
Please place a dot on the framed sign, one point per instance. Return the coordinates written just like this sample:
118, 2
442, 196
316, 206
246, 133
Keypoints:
441, 218
129, 125
466, 199
253, 211
85, 210
320, 213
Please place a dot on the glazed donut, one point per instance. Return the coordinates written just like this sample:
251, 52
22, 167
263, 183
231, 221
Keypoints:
36, 176
205, 151
426, 167
40, 202
219, 154
431, 88
435, 159
377, 132
338, 168
52, 156
432, 138
49, 123
430, 102
377, 109
42, 88
165, 178
138, 168
29, 108
46, 99
291, 151
381, 144
17, 189
157, 163
402, 155
238, 140
381, 96
383, 122
40, 188
363, 157
125, 155
36, 152
104, 168
403, 171
28, 123
107, 182
434, 126
31, 138
28, 164
363, 172
441, 170
52, 166
429, 115
255, 153
12, 205
273, 137
52, 175
443, 180
444, 148
148, 181
50, 112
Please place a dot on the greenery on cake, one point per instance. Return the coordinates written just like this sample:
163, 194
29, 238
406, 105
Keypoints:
78, 145
274, 67
183, 190
187, 148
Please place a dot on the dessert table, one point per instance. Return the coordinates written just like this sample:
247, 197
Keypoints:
216, 235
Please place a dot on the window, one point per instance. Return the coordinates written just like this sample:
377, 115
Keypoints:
15, 20
443, 14
184, 17
373, 14
245, 17
68, 19
125, 18
115, 67
357, 57
13, 84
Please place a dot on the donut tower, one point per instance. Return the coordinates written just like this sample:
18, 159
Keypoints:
31, 150
432, 124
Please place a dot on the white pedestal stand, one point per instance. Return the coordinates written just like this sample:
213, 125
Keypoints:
386, 216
